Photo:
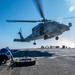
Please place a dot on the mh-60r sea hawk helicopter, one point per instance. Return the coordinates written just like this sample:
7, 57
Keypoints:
46, 29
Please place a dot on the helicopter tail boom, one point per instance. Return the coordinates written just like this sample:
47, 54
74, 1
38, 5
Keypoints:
20, 40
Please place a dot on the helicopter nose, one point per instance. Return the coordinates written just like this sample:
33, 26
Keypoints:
67, 28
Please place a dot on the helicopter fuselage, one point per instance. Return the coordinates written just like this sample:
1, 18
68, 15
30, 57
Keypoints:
45, 31
48, 29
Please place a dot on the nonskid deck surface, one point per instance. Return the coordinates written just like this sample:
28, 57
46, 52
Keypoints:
48, 62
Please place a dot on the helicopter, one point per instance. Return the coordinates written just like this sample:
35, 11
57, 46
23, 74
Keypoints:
46, 29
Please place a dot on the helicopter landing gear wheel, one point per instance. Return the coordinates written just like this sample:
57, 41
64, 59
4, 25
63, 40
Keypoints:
34, 43
56, 37
45, 37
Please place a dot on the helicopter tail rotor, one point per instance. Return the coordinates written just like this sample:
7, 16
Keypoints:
20, 33
70, 24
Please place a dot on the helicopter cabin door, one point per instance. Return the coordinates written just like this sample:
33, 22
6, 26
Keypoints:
41, 30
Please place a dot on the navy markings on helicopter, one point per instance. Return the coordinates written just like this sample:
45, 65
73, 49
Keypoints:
46, 29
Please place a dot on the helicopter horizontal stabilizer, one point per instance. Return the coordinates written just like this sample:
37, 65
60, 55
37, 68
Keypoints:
19, 40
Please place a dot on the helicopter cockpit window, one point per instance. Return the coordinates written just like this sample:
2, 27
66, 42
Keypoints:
33, 29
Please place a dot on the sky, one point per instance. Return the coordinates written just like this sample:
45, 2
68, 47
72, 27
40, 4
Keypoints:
26, 10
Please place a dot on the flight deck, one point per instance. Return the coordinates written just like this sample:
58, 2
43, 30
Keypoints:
48, 62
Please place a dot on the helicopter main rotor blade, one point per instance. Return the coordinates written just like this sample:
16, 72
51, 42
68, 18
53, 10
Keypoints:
39, 6
23, 20
66, 18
